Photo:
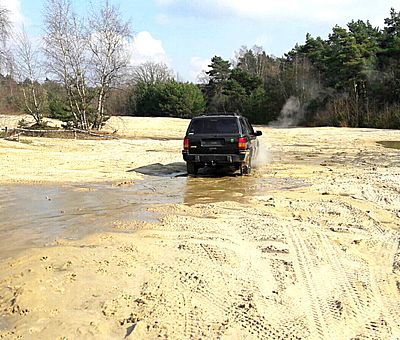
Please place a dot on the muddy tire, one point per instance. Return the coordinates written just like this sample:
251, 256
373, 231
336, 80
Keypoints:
192, 168
244, 170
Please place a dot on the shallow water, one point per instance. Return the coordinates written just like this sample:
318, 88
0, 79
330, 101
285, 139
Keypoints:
390, 144
33, 215
234, 188
36, 215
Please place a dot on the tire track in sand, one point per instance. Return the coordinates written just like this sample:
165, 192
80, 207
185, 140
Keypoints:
302, 260
362, 301
350, 301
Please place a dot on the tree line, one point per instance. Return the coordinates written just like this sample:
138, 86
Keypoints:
81, 75
350, 79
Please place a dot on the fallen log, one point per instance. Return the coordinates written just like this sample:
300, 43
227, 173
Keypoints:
74, 131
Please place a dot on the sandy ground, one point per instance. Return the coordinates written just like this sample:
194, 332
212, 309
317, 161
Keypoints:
315, 260
43, 160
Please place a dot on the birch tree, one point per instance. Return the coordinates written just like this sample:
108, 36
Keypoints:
109, 35
5, 24
29, 70
5, 29
65, 47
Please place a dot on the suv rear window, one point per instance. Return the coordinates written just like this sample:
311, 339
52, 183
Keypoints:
214, 125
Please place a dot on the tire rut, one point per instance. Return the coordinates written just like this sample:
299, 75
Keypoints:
353, 292
302, 258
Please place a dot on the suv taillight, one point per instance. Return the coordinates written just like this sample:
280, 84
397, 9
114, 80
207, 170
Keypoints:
186, 144
242, 143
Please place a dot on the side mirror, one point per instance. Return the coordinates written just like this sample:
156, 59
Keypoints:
258, 133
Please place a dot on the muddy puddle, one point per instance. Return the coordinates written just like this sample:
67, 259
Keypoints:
390, 144
36, 215
207, 189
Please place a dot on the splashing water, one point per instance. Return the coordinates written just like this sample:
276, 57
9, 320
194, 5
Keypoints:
263, 156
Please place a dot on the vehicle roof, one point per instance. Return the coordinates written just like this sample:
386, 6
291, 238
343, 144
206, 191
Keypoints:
206, 115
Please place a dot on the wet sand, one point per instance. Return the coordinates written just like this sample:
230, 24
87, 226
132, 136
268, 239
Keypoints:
305, 247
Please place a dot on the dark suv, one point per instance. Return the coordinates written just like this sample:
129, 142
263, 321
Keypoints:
220, 140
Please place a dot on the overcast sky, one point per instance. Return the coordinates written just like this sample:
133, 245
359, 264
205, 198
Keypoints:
187, 34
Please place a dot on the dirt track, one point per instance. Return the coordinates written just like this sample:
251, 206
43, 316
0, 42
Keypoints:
306, 247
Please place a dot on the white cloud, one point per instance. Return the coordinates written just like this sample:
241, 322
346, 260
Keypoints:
145, 47
197, 65
16, 17
327, 11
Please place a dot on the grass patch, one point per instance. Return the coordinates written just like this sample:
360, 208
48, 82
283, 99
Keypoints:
26, 141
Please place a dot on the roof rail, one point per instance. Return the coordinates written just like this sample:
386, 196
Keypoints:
219, 114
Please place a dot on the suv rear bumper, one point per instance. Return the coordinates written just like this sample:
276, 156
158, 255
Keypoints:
217, 158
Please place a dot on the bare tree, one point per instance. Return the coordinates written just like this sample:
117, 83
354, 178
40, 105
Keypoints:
203, 78
152, 73
5, 30
5, 24
29, 69
65, 47
109, 35
255, 61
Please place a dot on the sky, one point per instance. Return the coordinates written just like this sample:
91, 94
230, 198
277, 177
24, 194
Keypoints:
187, 34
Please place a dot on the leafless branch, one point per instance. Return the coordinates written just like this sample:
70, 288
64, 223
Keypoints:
65, 43
109, 35
151, 73
28, 69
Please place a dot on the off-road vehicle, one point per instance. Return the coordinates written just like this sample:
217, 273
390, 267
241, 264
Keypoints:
220, 140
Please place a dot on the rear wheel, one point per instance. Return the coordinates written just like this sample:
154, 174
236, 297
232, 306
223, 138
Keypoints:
192, 168
245, 169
